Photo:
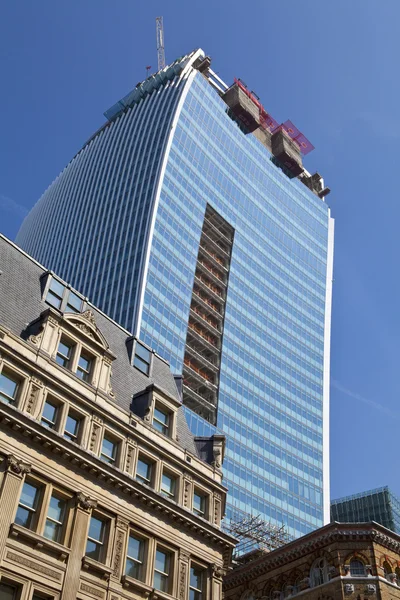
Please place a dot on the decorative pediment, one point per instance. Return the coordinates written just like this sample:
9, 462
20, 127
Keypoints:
86, 323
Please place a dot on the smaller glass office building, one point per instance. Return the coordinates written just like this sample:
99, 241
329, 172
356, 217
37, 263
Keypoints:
379, 505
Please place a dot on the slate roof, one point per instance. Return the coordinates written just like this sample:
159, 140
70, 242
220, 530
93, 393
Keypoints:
21, 303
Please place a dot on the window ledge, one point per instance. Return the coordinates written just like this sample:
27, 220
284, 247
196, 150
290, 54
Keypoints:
159, 595
130, 582
89, 564
39, 542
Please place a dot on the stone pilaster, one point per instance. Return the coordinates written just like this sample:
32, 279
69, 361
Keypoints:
217, 516
187, 491
216, 574
183, 575
83, 511
130, 456
121, 534
10, 492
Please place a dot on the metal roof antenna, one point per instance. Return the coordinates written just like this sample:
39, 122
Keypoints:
160, 43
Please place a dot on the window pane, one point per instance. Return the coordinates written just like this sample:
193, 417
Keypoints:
196, 578
168, 485
143, 471
143, 353
96, 529
51, 531
29, 495
108, 450
56, 509
53, 300
74, 303
71, 428
141, 365
8, 387
8, 592
63, 354
93, 550
84, 366
162, 561
23, 517
161, 421
57, 287
198, 503
49, 415
135, 548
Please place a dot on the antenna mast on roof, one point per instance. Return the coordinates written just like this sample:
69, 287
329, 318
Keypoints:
160, 43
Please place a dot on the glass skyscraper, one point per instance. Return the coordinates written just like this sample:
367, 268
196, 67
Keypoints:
184, 227
379, 505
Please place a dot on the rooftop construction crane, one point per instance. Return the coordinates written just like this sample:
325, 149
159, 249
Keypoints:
160, 43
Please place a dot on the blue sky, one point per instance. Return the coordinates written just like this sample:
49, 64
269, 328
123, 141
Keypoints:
331, 67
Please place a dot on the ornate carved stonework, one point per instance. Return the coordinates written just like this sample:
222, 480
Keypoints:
84, 328
36, 339
182, 581
93, 437
129, 454
186, 489
147, 415
52, 321
88, 314
85, 502
370, 589
348, 589
19, 467
217, 571
92, 590
32, 398
217, 507
119, 546
30, 564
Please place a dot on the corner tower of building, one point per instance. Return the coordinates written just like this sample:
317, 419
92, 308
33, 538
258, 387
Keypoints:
190, 219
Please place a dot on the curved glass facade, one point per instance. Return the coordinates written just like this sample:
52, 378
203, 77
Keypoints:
123, 223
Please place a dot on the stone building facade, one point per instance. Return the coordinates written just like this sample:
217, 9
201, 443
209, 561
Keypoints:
358, 561
104, 492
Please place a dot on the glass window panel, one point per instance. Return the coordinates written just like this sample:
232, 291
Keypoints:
168, 485
72, 428
95, 542
134, 557
84, 367
161, 571
199, 502
143, 353
196, 583
161, 421
108, 450
53, 300
141, 365
57, 287
143, 471
64, 353
8, 388
8, 592
74, 303
49, 415
27, 505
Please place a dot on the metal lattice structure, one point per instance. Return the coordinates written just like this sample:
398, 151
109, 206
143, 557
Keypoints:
254, 534
160, 43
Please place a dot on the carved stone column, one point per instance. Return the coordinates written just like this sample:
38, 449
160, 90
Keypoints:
217, 509
121, 534
130, 457
83, 511
33, 400
183, 574
187, 490
95, 434
216, 574
9, 495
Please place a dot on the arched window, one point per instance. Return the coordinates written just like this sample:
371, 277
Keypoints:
296, 585
357, 568
319, 572
387, 570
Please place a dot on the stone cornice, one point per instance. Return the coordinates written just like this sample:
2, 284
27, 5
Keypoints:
334, 532
106, 474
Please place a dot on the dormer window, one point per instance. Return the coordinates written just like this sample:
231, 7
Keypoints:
62, 298
161, 420
55, 293
142, 358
